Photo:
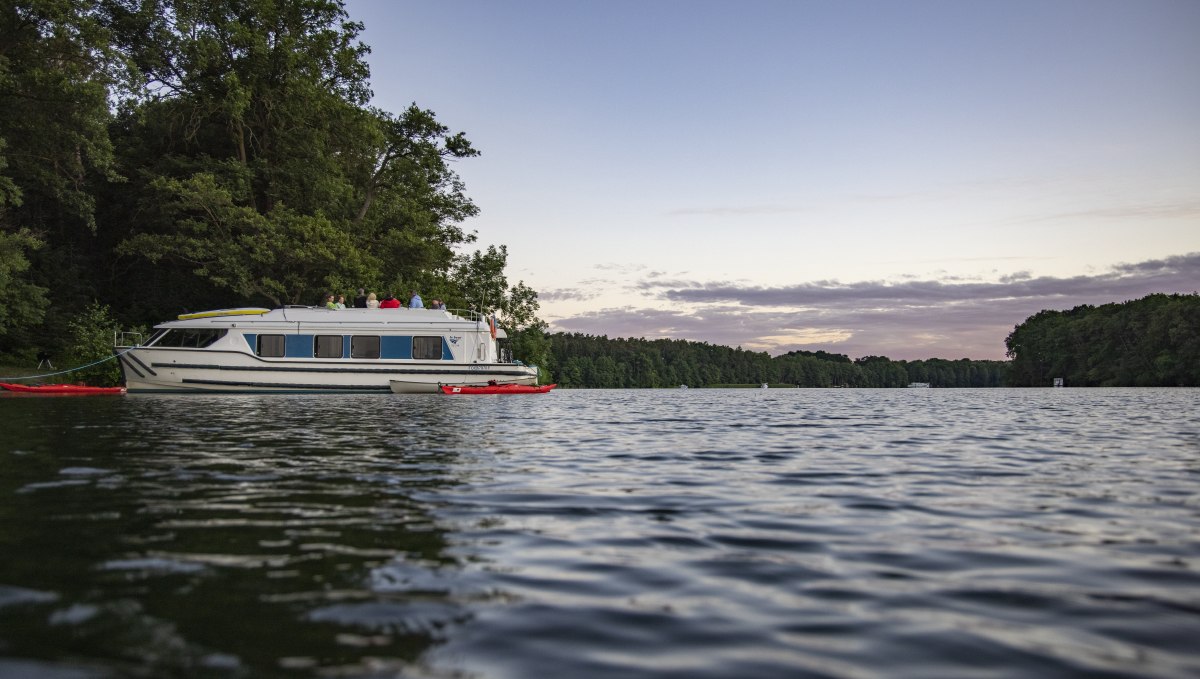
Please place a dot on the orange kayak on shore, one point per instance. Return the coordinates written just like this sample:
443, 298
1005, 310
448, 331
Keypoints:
497, 389
59, 389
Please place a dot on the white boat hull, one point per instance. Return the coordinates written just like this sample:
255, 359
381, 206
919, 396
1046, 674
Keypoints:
182, 370
229, 358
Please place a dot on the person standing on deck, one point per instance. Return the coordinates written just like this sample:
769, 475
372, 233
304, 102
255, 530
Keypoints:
415, 302
360, 302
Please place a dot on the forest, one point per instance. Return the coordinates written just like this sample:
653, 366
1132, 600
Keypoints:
588, 361
1149, 342
164, 156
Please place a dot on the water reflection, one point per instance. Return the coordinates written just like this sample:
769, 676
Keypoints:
171, 529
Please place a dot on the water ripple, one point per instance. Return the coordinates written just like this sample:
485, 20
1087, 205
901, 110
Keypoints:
706, 533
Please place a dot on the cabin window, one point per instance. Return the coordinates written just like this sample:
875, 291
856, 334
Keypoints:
364, 346
190, 338
427, 348
271, 346
328, 346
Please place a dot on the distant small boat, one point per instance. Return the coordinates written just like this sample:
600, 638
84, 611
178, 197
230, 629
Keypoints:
918, 385
764, 385
496, 389
59, 389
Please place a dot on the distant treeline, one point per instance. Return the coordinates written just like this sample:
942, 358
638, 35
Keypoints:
1150, 342
597, 362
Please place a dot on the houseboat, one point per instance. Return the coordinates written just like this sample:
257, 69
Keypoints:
307, 349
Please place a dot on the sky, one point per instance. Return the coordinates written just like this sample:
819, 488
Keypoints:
865, 177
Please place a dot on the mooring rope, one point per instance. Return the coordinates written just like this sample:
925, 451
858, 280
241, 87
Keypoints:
69, 370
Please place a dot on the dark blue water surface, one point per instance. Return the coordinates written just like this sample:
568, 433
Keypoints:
698, 533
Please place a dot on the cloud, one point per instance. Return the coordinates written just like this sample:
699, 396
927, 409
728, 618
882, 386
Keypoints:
1173, 210
908, 319
620, 268
1176, 274
567, 294
735, 211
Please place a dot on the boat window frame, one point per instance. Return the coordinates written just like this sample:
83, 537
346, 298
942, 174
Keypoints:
426, 343
190, 338
258, 345
158, 334
318, 346
366, 353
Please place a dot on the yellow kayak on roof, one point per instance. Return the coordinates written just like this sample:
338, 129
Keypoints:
247, 311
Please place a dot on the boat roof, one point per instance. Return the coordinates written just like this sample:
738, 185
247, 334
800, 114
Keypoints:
290, 318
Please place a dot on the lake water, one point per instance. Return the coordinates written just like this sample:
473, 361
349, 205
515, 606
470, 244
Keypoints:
665, 533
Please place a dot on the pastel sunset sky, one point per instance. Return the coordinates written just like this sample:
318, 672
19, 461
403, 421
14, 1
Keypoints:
908, 179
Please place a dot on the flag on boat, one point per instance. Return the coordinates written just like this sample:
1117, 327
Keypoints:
492, 324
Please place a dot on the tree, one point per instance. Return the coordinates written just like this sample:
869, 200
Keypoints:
1145, 342
90, 343
279, 256
480, 281
57, 69
218, 153
21, 302
255, 137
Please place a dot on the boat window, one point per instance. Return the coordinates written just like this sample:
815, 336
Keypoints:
328, 346
155, 337
364, 346
271, 346
427, 348
191, 338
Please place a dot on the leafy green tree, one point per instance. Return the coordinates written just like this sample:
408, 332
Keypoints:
533, 346
21, 302
1145, 342
57, 68
220, 152
482, 285
280, 256
252, 135
90, 341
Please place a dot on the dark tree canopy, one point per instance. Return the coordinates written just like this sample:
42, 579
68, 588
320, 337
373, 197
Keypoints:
160, 156
1149, 342
589, 361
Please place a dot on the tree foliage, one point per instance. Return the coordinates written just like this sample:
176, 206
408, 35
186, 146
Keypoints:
21, 301
90, 341
1149, 342
589, 361
261, 168
158, 156
57, 68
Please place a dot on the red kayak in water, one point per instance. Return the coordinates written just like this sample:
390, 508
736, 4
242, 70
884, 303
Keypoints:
59, 389
497, 389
